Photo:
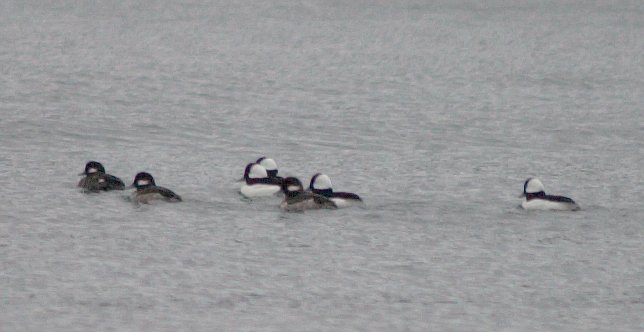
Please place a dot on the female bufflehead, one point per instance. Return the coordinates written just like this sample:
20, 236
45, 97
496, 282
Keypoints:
258, 184
321, 185
97, 180
299, 200
270, 166
535, 198
147, 190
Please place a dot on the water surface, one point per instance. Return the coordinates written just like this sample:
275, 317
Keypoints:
435, 113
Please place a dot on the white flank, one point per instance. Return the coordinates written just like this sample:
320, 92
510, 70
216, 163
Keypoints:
259, 190
544, 204
343, 203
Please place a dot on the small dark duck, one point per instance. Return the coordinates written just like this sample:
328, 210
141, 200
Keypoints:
296, 199
147, 191
96, 179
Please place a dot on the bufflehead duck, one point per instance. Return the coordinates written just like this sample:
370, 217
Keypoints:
147, 190
535, 198
321, 185
270, 166
97, 180
299, 200
258, 184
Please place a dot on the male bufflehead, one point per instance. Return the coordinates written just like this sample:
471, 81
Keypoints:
321, 185
258, 184
270, 166
97, 180
535, 198
147, 190
299, 200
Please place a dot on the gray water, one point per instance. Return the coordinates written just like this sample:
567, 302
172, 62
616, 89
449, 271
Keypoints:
434, 112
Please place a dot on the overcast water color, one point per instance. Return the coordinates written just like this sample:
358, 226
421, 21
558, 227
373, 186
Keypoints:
434, 112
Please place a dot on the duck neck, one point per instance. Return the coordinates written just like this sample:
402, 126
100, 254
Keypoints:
530, 196
250, 181
324, 192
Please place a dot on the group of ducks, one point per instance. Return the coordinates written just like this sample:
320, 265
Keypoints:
96, 179
261, 179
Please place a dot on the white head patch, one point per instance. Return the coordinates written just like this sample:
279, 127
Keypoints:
268, 164
257, 171
294, 188
322, 182
534, 186
92, 170
141, 183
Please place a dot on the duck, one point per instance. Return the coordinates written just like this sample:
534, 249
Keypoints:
257, 183
535, 198
296, 199
96, 179
147, 190
270, 166
321, 184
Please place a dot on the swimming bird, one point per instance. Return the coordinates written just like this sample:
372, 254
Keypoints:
257, 183
321, 184
535, 198
97, 180
270, 166
296, 199
147, 190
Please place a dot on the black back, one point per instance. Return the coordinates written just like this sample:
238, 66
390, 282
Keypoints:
113, 183
344, 195
553, 198
165, 192
268, 180
324, 192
